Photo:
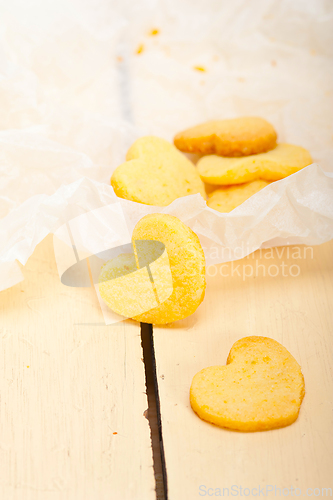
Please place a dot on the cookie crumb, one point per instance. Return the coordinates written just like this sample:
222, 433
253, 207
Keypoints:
200, 68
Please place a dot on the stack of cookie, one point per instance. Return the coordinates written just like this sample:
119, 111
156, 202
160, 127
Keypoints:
241, 157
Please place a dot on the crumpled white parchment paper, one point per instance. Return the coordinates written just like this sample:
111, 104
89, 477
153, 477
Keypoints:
80, 81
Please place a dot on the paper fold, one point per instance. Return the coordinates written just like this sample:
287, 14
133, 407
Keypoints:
295, 210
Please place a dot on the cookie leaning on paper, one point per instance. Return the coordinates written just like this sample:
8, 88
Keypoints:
156, 173
260, 388
187, 265
227, 198
284, 160
234, 137
178, 273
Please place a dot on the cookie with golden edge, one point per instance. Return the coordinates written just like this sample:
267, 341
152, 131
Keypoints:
284, 160
156, 173
233, 137
187, 264
227, 198
260, 388
177, 265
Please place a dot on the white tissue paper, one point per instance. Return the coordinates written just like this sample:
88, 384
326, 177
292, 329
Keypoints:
80, 81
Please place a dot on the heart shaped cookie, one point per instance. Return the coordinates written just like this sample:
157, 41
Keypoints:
187, 265
156, 173
284, 160
178, 274
233, 137
260, 388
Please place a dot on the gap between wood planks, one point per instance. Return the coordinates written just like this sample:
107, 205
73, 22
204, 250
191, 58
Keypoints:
153, 413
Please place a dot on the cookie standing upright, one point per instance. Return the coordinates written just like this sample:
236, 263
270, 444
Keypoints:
233, 137
156, 173
187, 264
180, 285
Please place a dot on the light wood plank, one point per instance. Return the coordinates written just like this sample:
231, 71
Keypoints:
72, 422
297, 312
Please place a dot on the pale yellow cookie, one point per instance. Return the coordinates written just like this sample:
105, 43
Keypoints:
178, 273
227, 198
284, 160
260, 388
234, 137
187, 264
156, 173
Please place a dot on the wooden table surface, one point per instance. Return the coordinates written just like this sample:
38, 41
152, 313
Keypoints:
73, 395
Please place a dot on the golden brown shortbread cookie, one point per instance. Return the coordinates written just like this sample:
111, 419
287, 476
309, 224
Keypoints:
284, 160
233, 137
179, 275
187, 264
260, 388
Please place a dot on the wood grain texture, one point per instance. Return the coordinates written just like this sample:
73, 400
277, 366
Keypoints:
295, 311
72, 424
